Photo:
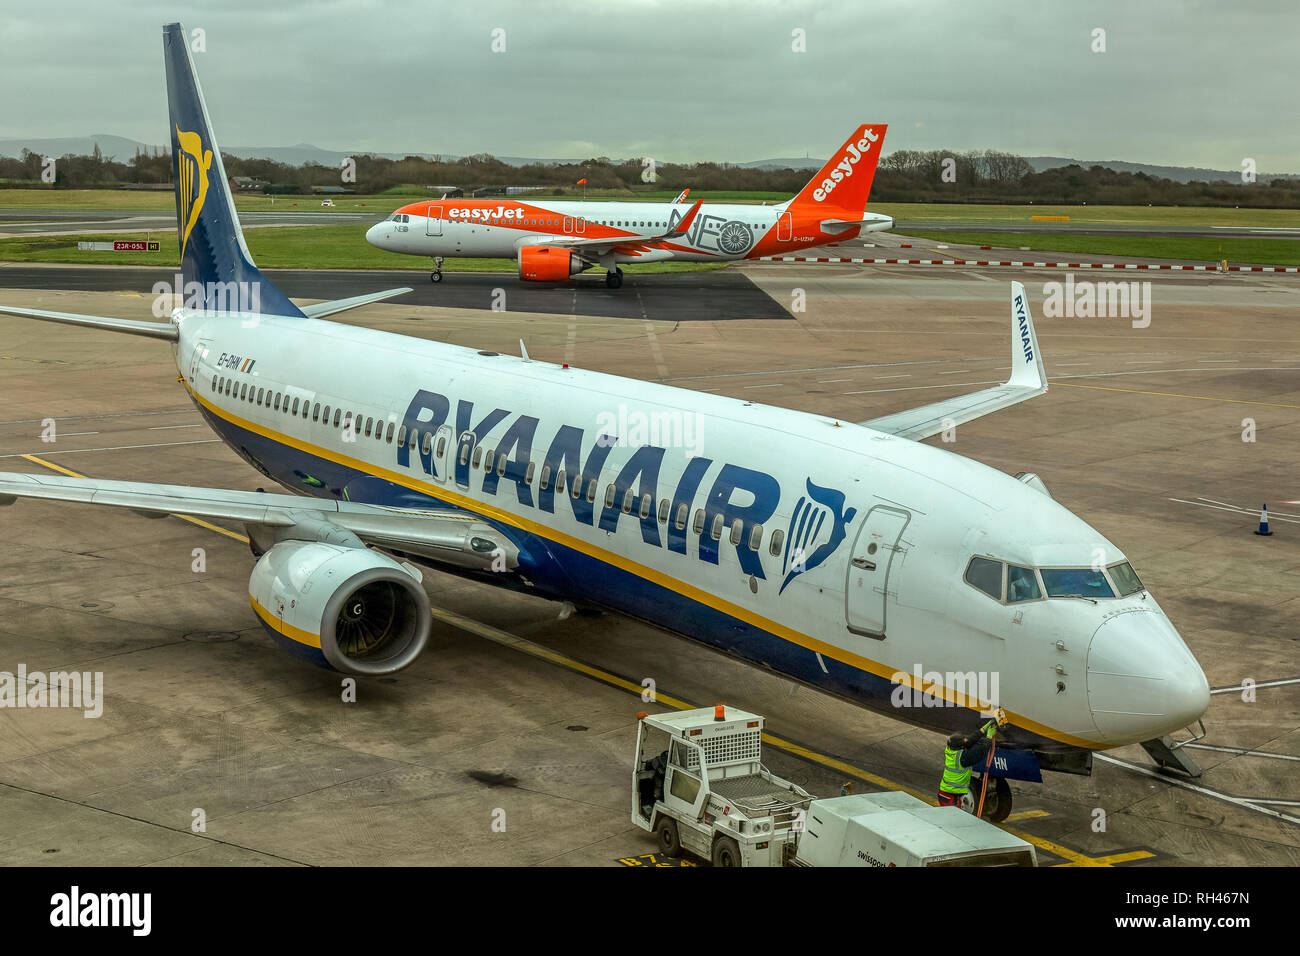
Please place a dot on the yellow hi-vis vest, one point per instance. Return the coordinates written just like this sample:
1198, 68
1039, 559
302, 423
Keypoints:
956, 778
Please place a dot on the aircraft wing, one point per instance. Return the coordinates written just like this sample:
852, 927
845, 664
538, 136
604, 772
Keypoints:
322, 309
608, 243
1028, 379
157, 330
166, 330
457, 539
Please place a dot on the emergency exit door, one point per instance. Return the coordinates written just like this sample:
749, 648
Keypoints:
197, 356
872, 556
434, 227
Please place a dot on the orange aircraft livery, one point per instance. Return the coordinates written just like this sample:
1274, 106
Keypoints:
555, 241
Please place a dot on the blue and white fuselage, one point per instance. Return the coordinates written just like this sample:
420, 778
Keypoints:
738, 526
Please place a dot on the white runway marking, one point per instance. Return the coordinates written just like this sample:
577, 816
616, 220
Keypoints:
1242, 752
1282, 682
156, 428
76, 451
1250, 512
87, 418
1255, 804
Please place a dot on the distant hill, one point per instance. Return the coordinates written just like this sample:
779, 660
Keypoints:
113, 147
1179, 174
122, 149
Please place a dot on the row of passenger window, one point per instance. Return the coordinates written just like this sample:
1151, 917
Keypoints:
1013, 584
293, 406
301, 408
624, 223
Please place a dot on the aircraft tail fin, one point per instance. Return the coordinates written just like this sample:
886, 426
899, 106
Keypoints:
841, 187
213, 252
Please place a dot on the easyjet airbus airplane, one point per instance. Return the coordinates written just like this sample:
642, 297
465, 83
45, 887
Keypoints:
556, 240
848, 556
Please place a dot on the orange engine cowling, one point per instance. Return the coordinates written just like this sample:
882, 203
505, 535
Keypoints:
548, 264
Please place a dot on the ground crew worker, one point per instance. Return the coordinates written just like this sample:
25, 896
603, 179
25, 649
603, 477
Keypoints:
963, 752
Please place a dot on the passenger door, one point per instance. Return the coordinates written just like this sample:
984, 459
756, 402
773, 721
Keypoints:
868, 575
434, 222
785, 228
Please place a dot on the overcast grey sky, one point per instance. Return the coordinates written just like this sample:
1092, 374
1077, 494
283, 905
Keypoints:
1181, 83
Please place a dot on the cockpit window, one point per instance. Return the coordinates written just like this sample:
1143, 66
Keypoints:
1076, 582
1125, 579
986, 575
1022, 585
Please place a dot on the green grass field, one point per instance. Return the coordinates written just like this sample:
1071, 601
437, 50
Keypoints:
91, 199
1273, 252
287, 247
1143, 215
163, 200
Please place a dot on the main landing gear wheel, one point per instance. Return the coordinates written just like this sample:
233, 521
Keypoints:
436, 274
670, 843
726, 852
614, 280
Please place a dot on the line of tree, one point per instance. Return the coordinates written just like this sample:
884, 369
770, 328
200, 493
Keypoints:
986, 176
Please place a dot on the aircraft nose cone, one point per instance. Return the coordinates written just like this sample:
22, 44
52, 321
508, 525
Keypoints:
375, 234
1143, 682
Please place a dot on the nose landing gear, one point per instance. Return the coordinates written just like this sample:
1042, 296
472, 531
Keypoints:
997, 799
436, 274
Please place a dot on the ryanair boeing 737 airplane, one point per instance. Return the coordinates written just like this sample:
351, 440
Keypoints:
847, 556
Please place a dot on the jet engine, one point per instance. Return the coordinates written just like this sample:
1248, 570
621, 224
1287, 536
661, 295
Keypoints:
347, 608
548, 264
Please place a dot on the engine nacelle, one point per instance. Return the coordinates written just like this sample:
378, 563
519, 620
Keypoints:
347, 608
548, 264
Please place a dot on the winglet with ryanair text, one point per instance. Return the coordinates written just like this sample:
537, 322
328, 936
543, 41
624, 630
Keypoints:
1028, 379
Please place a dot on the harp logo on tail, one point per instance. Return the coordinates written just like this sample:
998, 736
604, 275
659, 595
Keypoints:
192, 165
